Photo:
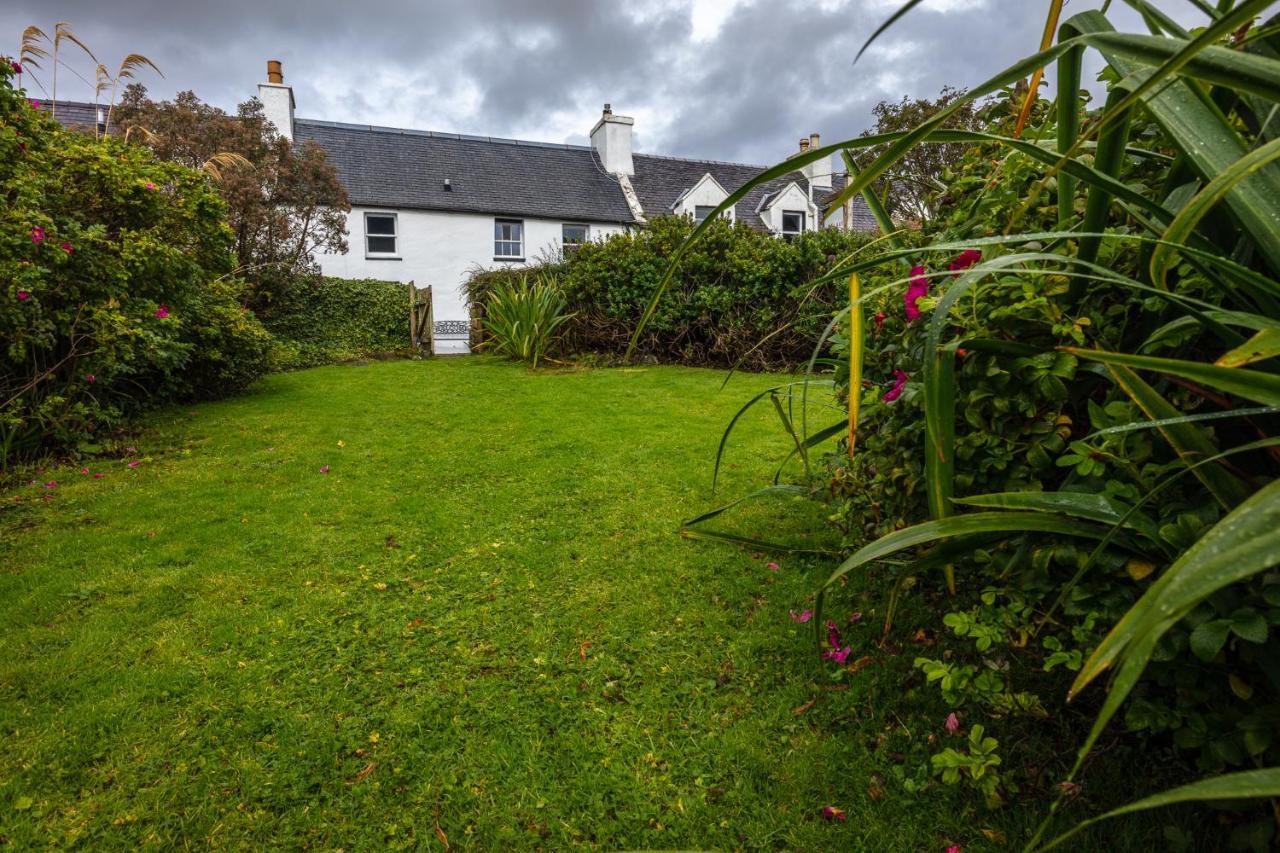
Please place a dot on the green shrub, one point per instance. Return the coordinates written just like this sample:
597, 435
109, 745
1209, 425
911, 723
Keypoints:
1045, 393
741, 294
116, 283
323, 320
522, 320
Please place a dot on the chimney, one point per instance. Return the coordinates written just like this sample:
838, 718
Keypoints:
804, 144
277, 99
819, 171
611, 138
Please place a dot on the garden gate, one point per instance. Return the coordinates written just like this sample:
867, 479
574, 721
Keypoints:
422, 333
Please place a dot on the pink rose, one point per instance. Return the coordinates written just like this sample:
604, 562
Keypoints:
162, 312
90, 378
66, 247
37, 235
964, 260
899, 382
916, 288
952, 725
23, 295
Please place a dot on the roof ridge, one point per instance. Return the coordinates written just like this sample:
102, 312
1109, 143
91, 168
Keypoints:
700, 160
440, 134
500, 140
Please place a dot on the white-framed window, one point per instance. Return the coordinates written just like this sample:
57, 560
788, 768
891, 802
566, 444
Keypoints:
508, 239
702, 211
573, 235
792, 222
380, 235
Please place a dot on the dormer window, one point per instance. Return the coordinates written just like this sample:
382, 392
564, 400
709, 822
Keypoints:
702, 211
792, 223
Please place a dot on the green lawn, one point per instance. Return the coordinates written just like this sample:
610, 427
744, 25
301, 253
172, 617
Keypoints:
478, 624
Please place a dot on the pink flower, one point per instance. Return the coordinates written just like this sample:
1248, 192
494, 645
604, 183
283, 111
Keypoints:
899, 382
964, 260
801, 617
23, 295
37, 235
853, 617
150, 185
66, 247
84, 470
52, 484
773, 567
162, 312
17, 69
90, 378
954, 848
880, 318
134, 463
918, 286
952, 725
835, 653
832, 813
33, 103
98, 476
324, 469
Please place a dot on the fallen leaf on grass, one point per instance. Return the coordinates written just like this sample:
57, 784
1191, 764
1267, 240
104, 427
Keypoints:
582, 649
995, 835
364, 774
861, 663
800, 709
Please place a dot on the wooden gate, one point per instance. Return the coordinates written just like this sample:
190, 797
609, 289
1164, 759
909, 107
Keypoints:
422, 334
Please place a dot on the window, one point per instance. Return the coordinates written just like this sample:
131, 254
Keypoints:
380, 235
792, 222
572, 236
702, 211
508, 239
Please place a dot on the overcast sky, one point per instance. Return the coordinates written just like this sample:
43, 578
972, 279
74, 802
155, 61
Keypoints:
738, 80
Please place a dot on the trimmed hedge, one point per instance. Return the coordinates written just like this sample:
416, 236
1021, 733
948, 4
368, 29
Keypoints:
322, 320
739, 293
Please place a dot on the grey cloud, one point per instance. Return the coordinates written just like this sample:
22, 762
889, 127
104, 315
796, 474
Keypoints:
776, 70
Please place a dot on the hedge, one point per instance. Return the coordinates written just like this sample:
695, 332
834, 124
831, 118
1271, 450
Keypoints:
740, 293
321, 320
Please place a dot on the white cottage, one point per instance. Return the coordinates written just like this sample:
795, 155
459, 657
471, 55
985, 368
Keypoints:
429, 207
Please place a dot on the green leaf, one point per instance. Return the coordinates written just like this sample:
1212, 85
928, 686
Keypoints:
767, 491
1094, 507
1190, 443
1249, 624
1248, 784
1208, 638
1242, 544
1260, 387
1263, 345
963, 525
1200, 131
1189, 217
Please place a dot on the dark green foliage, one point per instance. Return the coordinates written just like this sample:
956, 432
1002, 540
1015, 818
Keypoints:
115, 285
740, 294
323, 320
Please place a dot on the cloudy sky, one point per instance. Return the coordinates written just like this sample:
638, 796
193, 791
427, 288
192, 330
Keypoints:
735, 80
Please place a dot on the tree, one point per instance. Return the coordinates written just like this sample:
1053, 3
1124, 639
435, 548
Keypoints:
908, 190
285, 202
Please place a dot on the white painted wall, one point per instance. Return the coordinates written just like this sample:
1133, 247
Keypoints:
706, 193
791, 198
439, 249
277, 107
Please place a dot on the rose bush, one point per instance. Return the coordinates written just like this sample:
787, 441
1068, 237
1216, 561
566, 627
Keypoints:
115, 285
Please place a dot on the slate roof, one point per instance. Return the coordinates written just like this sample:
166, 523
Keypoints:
395, 168
75, 113
660, 181
386, 167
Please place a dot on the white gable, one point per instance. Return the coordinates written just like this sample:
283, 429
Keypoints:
707, 192
790, 198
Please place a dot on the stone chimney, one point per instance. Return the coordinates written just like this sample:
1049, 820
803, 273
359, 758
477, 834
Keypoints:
611, 138
819, 171
277, 99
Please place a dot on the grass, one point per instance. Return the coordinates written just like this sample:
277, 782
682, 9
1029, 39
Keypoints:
479, 626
